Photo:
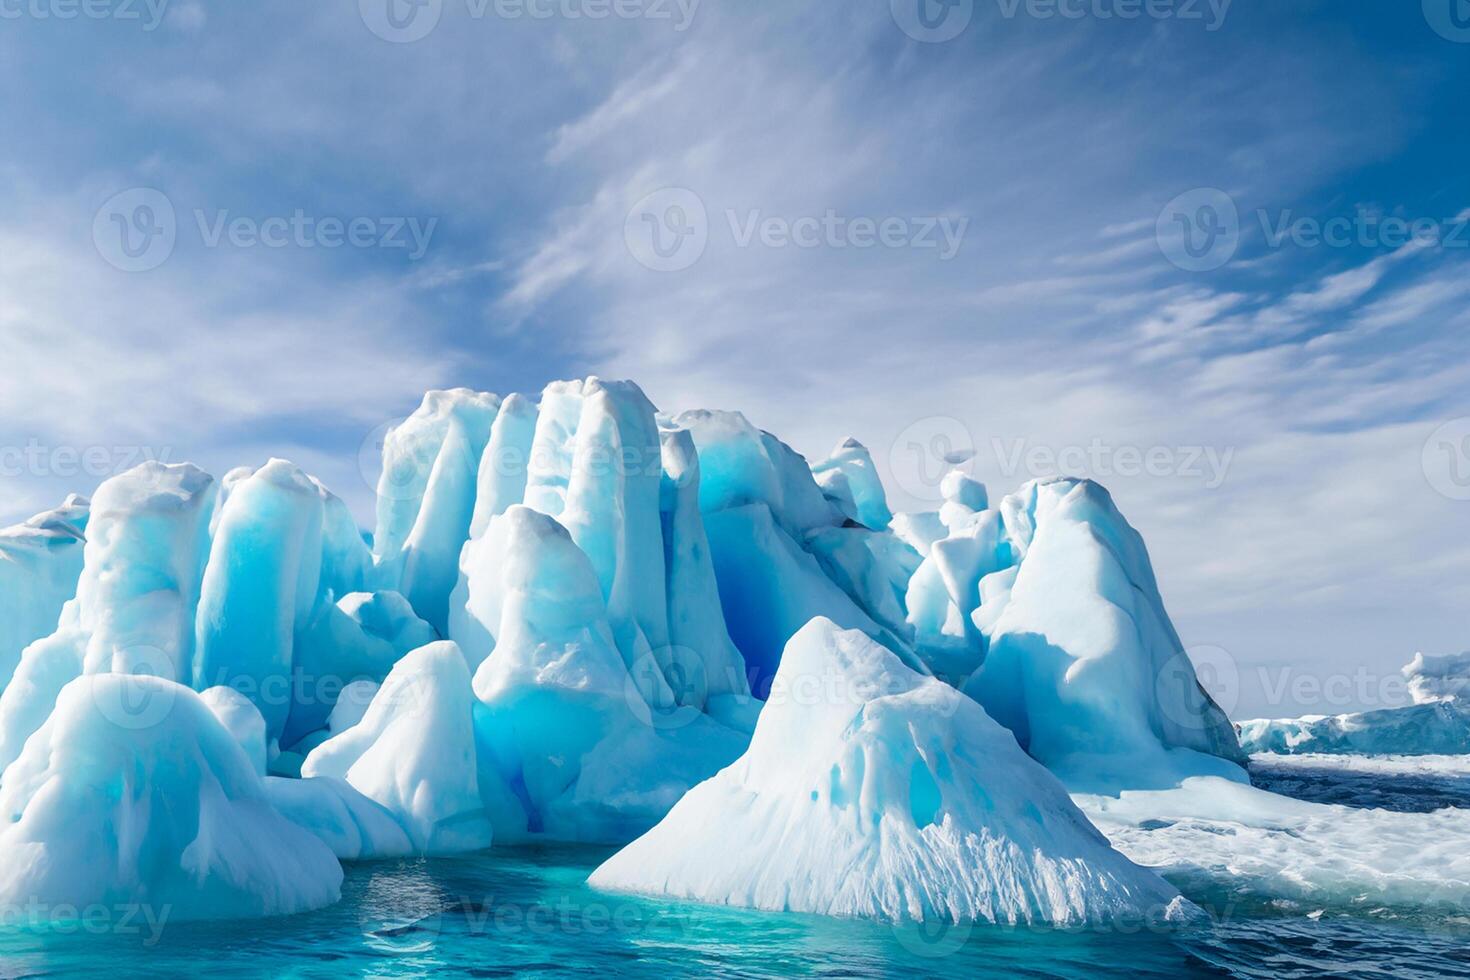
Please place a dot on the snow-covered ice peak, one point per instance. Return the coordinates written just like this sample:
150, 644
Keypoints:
851, 471
904, 801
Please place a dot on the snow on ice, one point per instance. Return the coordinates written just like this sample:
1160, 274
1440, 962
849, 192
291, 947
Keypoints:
582, 620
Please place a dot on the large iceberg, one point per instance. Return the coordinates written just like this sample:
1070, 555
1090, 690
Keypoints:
565, 628
1436, 723
904, 801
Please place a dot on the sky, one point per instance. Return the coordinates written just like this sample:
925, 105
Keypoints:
1212, 254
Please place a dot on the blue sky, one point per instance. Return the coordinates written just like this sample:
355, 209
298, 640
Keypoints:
913, 238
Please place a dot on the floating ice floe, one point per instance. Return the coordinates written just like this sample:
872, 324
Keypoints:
1212, 832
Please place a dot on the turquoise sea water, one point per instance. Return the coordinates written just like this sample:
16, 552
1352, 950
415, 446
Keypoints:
527, 912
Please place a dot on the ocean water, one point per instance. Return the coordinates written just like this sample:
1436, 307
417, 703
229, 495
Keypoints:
527, 912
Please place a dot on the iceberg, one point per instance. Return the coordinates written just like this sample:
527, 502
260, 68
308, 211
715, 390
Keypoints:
904, 801
268, 623
1437, 723
1080, 659
850, 475
426, 496
354, 827
147, 541
160, 808
1433, 728
40, 563
558, 703
413, 752
243, 720
1437, 678
565, 628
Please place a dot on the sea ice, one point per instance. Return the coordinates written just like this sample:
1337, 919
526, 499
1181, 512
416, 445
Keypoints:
1213, 831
